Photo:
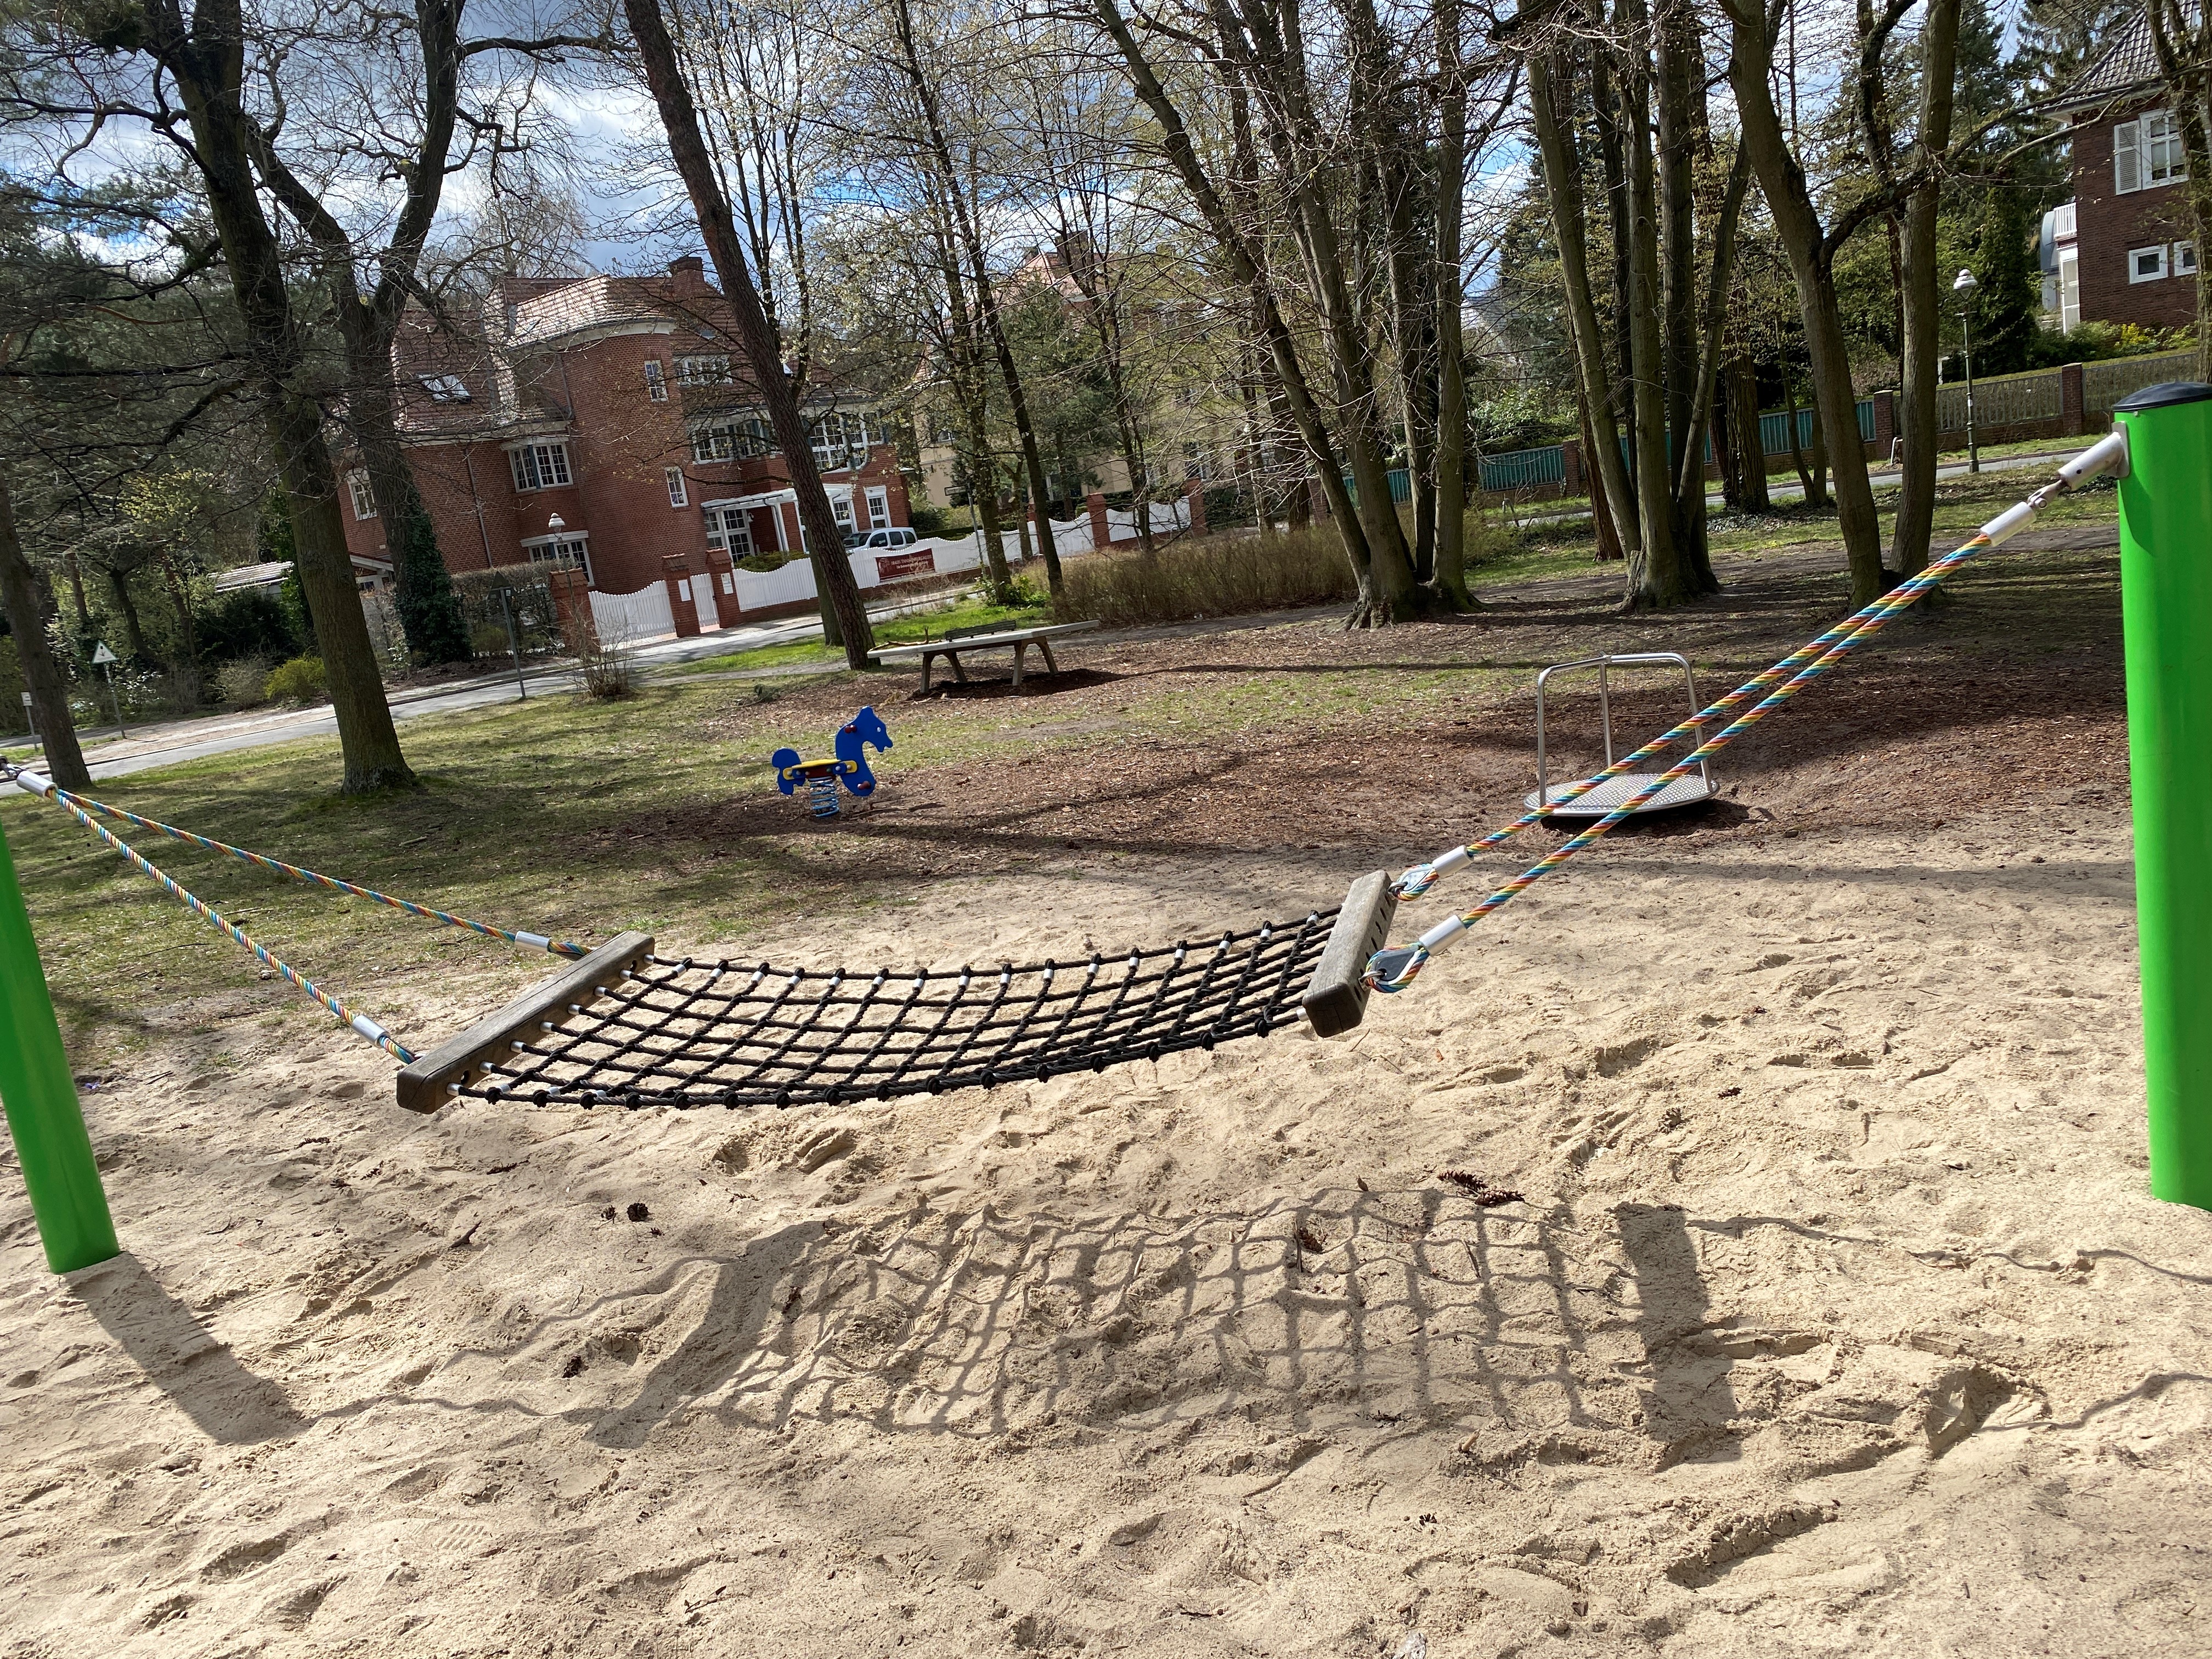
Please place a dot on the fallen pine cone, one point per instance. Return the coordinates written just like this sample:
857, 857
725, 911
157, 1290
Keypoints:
1479, 1190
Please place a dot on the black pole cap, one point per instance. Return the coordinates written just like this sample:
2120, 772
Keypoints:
2164, 395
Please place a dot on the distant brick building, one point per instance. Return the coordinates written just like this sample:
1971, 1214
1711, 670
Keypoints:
2123, 250
611, 420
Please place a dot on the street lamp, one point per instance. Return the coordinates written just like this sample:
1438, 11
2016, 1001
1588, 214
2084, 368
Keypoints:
557, 524
1964, 288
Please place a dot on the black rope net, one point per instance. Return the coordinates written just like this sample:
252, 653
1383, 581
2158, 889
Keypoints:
687, 1033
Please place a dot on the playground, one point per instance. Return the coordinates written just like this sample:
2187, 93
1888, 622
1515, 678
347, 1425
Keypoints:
1740, 1245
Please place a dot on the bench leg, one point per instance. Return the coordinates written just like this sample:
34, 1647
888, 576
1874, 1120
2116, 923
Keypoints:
1050, 666
926, 661
1018, 649
959, 672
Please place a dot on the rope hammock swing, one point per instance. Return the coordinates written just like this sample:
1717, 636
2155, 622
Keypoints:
621, 1025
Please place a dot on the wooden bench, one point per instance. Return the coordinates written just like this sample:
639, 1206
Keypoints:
1017, 640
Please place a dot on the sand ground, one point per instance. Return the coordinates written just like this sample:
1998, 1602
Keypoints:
1835, 1316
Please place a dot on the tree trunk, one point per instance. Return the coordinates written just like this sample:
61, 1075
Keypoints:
76, 590
679, 119
1451, 346
208, 66
1563, 193
1920, 299
186, 669
1797, 225
1692, 351
1655, 581
134, 635
350, 670
1750, 440
42, 675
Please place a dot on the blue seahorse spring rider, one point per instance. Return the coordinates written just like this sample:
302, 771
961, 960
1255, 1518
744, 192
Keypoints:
864, 730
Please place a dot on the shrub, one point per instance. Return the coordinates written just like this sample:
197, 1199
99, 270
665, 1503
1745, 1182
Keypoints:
489, 640
299, 681
244, 684
251, 625
1212, 576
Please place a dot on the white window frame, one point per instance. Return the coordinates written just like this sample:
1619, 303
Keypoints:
2184, 263
656, 381
576, 544
2136, 255
2148, 153
364, 495
2069, 289
729, 530
446, 388
735, 440
703, 368
840, 509
678, 494
879, 507
540, 466
2163, 162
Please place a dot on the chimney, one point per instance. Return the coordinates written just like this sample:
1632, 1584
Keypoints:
689, 273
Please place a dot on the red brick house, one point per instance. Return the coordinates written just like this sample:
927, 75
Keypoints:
610, 420
2123, 250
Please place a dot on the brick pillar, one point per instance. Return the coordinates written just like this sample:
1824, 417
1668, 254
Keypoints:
572, 603
1571, 462
723, 576
1101, 533
1195, 492
1884, 425
675, 571
2073, 418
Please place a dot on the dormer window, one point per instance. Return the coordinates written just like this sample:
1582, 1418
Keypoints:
444, 388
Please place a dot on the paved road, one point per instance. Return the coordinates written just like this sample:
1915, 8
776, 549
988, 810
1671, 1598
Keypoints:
202, 739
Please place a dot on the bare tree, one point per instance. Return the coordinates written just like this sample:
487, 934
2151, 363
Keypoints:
679, 119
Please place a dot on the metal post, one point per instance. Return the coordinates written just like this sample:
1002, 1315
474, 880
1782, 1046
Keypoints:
31, 722
1966, 337
2166, 586
44, 1117
514, 641
115, 699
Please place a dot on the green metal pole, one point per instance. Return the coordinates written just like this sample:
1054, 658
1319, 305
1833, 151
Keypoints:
44, 1117
2165, 585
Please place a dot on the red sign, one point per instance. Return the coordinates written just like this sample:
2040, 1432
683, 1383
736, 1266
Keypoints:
889, 567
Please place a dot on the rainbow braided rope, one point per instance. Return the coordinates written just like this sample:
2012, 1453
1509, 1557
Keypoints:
360, 1024
1394, 969
312, 879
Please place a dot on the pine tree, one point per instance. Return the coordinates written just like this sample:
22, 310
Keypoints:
429, 609
2009, 296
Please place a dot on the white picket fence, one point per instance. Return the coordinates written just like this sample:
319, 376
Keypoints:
622, 618
1165, 516
647, 613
